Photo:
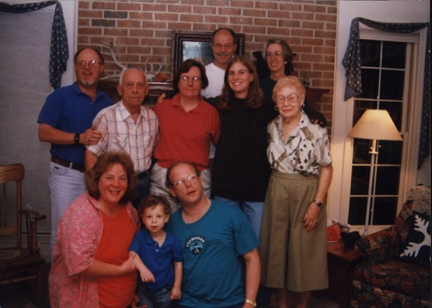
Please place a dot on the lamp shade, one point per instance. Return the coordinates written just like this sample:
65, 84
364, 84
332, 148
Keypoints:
375, 124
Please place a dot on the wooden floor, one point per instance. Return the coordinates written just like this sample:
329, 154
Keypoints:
26, 295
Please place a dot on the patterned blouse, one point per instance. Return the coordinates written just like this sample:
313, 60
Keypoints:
305, 151
78, 237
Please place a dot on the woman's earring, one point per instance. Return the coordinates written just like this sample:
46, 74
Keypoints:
275, 108
301, 107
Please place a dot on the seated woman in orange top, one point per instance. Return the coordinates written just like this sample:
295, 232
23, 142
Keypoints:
91, 267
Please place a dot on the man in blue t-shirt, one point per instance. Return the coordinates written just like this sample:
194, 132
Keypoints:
65, 121
213, 236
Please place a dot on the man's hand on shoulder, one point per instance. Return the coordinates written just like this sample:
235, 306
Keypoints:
90, 136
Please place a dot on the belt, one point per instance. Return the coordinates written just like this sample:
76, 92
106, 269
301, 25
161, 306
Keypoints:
67, 164
143, 175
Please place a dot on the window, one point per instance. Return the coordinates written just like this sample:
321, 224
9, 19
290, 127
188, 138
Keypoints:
389, 82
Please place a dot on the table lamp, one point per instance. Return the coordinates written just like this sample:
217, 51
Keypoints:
374, 125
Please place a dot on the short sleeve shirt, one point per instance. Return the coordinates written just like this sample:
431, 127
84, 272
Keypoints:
211, 248
71, 110
158, 259
305, 151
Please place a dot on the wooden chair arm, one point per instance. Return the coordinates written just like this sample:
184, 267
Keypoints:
31, 218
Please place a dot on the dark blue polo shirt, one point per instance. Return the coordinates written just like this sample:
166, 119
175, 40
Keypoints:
69, 109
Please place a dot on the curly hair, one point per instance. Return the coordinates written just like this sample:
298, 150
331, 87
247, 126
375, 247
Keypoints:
107, 159
184, 68
152, 201
254, 95
289, 81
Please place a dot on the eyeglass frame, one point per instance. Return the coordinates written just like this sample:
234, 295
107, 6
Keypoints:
287, 98
191, 177
90, 64
186, 79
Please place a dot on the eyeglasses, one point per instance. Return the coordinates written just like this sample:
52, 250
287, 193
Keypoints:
276, 55
182, 182
219, 46
292, 99
91, 64
185, 79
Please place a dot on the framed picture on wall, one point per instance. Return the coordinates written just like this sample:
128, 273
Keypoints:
197, 44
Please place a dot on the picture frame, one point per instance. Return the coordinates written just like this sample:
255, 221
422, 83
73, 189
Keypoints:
197, 44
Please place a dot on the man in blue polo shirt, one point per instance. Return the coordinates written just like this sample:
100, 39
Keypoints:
65, 121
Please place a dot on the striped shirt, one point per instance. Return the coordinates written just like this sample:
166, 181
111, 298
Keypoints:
121, 133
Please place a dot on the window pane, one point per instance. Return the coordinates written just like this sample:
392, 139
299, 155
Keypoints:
360, 107
395, 111
387, 180
370, 53
370, 79
385, 210
357, 210
360, 180
392, 84
390, 152
394, 54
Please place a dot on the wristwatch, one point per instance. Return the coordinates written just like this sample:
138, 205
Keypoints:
76, 138
317, 203
252, 303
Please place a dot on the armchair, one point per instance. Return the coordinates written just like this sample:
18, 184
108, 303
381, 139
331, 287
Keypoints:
382, 279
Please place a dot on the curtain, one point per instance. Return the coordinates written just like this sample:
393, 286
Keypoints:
351, 62
59, 51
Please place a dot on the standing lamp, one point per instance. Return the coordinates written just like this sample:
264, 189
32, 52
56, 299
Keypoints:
374, 125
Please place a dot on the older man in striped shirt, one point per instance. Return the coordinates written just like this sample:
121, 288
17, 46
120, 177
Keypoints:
129, 127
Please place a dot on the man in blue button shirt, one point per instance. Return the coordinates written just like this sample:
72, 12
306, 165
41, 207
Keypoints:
65, 121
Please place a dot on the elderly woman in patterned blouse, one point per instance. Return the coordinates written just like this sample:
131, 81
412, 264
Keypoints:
91, 266
293, 248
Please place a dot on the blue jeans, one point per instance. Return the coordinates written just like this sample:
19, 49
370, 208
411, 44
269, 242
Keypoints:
65, 185
253, 211
159, 299
143, 189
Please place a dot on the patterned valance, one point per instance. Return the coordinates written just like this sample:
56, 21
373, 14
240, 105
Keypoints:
59, 50
352, 65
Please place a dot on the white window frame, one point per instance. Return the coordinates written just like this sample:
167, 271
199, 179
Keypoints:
410, 127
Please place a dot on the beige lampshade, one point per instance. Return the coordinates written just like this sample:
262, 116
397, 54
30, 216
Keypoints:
375, 124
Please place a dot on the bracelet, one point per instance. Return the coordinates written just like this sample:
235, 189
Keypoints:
317, 203
76, 138
252, 303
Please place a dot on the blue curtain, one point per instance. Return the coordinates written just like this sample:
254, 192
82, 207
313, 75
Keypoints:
59, 50
351, 62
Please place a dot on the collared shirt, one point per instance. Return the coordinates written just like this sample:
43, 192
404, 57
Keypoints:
306, 150
158, 259
121, 133
71, 110
78, 237
186, 136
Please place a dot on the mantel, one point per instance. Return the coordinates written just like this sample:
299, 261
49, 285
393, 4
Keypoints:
314, 95
157, 88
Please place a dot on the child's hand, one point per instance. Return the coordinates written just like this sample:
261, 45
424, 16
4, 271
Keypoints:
175, 293
146, 275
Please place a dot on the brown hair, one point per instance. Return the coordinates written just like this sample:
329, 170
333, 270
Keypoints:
101, 58
92, 176
286, 50
254, 95
289, 81
185, 67
152, 201
168, 182
223, 29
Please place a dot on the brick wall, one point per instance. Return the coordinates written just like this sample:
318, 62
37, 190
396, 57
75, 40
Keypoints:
142, 30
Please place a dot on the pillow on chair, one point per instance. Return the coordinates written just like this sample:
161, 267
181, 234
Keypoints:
416, 248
